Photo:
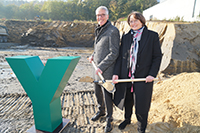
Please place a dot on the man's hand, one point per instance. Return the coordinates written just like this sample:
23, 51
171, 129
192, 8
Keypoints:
115, 77
149, 78
90, 59
98, 70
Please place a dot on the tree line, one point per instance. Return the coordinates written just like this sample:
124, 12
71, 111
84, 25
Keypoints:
71, 10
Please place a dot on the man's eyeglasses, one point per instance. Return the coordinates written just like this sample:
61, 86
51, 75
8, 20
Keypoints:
100, 15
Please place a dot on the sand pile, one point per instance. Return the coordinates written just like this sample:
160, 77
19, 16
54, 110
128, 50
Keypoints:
175, 106
177, 101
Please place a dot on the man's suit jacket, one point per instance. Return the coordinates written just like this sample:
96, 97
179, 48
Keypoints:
106, 49
148, 63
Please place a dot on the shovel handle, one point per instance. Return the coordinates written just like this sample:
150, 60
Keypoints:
100, 75
131, 80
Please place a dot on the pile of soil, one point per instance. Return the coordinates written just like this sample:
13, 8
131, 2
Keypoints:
177, 101
175, 106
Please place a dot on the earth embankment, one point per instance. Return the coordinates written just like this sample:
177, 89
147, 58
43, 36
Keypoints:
180, 42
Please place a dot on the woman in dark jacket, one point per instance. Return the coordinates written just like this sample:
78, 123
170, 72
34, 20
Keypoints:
139, 57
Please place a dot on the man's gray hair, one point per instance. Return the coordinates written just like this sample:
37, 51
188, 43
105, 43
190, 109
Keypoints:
102, 8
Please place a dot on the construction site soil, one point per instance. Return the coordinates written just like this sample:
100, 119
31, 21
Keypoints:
175, 104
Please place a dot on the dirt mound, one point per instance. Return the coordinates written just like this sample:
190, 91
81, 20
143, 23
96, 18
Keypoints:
60, 34
51, 34
17, 28
177, 101
175, 106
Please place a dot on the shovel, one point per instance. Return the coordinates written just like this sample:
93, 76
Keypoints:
107, 83
109, 86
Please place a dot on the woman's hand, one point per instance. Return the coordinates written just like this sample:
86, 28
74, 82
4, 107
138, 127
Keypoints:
149, 78
115, 77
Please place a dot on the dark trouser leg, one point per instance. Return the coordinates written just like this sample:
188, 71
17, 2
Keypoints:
128, 103
142, 122
109, 107
100, 100
109, 104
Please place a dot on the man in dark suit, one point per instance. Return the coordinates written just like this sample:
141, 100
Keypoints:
106, 49
139, 57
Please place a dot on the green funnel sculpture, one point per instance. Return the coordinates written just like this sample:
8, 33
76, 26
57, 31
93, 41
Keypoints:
44, 85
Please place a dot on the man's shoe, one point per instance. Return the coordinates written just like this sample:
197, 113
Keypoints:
97, 116
108, 127
124, 124
111, 119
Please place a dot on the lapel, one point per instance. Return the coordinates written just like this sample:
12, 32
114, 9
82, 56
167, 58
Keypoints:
128, 40
102, 30
143, 40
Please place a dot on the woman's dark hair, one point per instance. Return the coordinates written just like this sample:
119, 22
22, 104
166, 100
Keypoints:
137, 15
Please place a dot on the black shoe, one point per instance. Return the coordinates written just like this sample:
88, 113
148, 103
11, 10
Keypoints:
97, 116
124, 124
108, 127
111, 119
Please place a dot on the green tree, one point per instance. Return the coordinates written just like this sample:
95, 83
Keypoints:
29, 10
72, 9
2, 11
130, 6
10, 11
113, 10
117, 9
57, 10
144, 4
47, 9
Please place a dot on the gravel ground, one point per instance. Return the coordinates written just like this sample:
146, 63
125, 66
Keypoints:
9, 82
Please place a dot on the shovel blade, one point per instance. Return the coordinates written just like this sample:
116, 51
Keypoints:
110, 87
86, 79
